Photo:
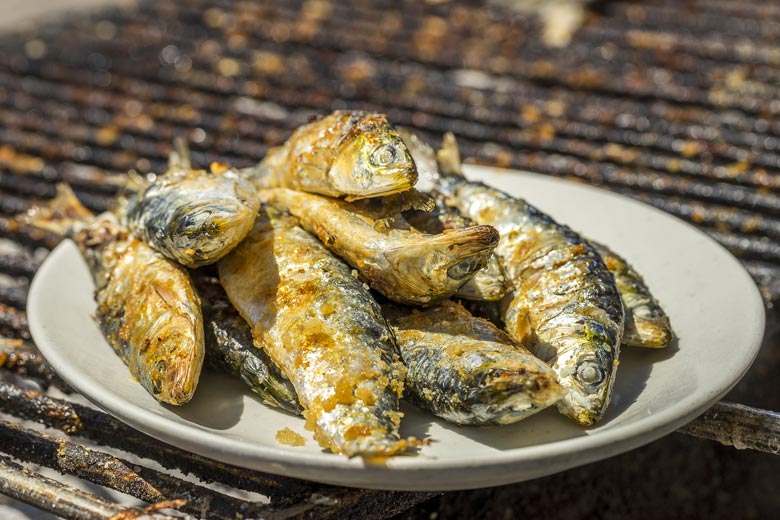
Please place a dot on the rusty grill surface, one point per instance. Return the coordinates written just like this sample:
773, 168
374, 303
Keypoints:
675, 104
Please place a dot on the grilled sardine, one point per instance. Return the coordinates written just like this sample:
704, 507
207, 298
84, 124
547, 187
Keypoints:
147, 306
564, 304
322, 328
403, 264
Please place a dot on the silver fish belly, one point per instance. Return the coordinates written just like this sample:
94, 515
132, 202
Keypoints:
325, 332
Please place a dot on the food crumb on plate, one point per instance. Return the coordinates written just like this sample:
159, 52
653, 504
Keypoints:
289, 438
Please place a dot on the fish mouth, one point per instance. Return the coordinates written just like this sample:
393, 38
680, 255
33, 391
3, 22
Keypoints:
172, 379
400, 183
469, 248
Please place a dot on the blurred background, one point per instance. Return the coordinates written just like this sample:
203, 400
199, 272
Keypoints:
673, 103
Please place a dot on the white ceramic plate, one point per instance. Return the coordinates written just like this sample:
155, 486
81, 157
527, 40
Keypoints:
714, 307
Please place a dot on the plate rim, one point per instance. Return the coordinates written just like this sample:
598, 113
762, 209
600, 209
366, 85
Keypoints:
586, 448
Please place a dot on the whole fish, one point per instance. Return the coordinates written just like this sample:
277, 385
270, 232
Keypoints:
564, 305
193, 216
147, 307
230, 347
348, 154
646, 325
403, 264
466, 370
323, 329
489, 283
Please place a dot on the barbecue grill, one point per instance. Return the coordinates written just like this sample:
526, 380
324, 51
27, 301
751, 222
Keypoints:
675, 104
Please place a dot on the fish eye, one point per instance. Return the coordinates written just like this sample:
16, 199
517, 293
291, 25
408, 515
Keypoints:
590, 374
463, 269
383, 155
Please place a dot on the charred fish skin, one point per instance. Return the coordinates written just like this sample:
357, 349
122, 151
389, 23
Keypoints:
646, 324
192, 216
147, 307
489, 283
348, 154
230, 347
324, 330
466, 370
403, 264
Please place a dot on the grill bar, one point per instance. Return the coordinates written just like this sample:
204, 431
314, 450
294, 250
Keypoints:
22, 484
25, 360
740, 426
106, 470
295, 495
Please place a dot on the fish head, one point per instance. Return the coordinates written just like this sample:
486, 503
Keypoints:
212, 221
373, 163
172, 375
433, 267
587, 373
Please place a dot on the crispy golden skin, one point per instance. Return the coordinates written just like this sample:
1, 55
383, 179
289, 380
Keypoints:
230, 347
345, 154
325, 332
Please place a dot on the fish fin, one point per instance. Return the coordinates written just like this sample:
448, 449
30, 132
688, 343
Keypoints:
266, 173
134, 183
448, 156
57, 215
179, 158
391, 205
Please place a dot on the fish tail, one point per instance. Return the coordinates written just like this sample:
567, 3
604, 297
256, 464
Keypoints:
58, 215
448, 157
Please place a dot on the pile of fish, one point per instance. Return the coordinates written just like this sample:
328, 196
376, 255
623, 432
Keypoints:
339, 289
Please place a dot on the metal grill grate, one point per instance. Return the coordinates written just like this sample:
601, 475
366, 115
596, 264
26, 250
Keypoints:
673, 103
